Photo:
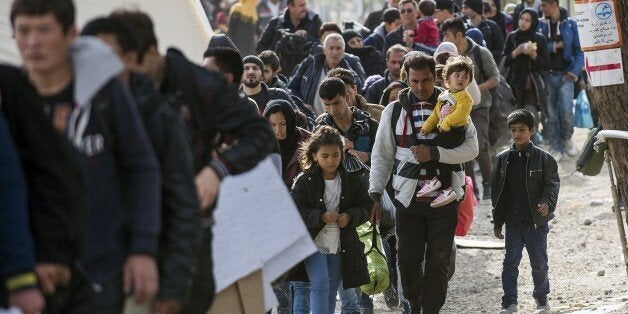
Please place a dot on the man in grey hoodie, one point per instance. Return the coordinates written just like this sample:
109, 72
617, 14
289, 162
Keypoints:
77, 79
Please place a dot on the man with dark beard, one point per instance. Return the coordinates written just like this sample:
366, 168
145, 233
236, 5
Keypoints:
257, 90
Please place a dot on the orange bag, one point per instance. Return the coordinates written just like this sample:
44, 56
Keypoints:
465, 209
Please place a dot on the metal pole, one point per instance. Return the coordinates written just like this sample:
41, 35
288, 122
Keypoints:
616, 209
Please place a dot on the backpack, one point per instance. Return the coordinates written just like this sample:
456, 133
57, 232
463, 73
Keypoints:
291, 49
590, 161
503, 103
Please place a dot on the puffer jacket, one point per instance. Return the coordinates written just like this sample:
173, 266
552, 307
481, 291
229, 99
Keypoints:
179, 207
542, 184
371, 59
308, 192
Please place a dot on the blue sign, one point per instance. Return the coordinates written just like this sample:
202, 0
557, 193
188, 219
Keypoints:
603, 11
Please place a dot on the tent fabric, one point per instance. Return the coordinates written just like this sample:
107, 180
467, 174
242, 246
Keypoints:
191, 34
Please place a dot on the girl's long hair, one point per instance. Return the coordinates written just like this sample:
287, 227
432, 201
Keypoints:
324, 135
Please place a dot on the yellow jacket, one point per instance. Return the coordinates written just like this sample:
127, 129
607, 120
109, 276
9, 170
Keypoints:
460, 103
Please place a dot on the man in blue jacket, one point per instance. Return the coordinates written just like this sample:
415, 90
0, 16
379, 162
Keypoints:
566, 61
308, 75
77, 79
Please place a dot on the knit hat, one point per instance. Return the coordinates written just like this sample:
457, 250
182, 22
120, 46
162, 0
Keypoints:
350, 34
475, 5
448, 47
221, 40
445, 5
253, 59
476, 35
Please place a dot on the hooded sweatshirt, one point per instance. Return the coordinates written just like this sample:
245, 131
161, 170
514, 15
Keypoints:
124, 180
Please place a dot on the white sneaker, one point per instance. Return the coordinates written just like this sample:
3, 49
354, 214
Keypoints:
542, 309
429, 186
570, 149
444, 198
511, 309
556, 154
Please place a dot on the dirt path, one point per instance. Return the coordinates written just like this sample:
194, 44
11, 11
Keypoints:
587, 274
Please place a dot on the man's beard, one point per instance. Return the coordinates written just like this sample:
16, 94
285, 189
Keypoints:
252, 83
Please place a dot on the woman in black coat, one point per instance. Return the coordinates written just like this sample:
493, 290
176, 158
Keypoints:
526, 58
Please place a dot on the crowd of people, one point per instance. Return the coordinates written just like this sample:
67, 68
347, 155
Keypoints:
114, 151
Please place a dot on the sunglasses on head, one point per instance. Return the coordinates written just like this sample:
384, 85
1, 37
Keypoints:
406, 11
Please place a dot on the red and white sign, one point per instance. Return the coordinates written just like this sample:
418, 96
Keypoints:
604, 67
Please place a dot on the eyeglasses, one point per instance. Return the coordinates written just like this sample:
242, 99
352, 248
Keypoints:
404, 11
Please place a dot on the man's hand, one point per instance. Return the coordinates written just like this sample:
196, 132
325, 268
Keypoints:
167, 307
421, 153
329, 217
29, 301
207, 184
364, 157
301, 32
498, 233
571, 77
52, 275
344, 220
348, 144
408, 38
376, 212
140, 277
543, 209
559, 45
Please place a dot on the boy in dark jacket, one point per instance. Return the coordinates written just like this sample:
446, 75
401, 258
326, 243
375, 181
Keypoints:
524, 208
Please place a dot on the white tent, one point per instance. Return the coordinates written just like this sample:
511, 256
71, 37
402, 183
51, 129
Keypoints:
179, 23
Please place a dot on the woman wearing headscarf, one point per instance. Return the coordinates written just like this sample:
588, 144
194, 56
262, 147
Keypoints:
526, 59
283, 120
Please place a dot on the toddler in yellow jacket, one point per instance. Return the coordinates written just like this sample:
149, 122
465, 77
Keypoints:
450, 116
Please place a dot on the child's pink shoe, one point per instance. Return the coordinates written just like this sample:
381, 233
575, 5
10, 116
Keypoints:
444, 198
429, 186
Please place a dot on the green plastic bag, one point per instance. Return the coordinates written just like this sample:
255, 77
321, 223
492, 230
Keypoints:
375, 258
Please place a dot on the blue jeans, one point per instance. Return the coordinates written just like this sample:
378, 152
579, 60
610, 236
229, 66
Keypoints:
283, 291
349, 299
535, 242
324, 272
301, 297
559, 122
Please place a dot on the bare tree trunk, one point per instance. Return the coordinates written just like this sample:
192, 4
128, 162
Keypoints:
612, 104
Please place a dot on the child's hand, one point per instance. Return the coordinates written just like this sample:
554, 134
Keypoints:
498, 233
344, 220
330, 217
423, 132
543, 209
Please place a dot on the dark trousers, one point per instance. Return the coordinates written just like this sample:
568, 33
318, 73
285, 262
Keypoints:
535, 241
480, 118
425, 234
83, 296
203, 288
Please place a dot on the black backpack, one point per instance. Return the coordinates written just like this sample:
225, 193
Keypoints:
291, 49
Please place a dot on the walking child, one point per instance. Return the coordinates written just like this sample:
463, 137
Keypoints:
332, 203
526, 182
450, 116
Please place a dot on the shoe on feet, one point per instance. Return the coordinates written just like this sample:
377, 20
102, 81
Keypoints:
444, 198
542, 306
391, 297
556, 154
509, 309
429, 186
486, 192
570, 149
